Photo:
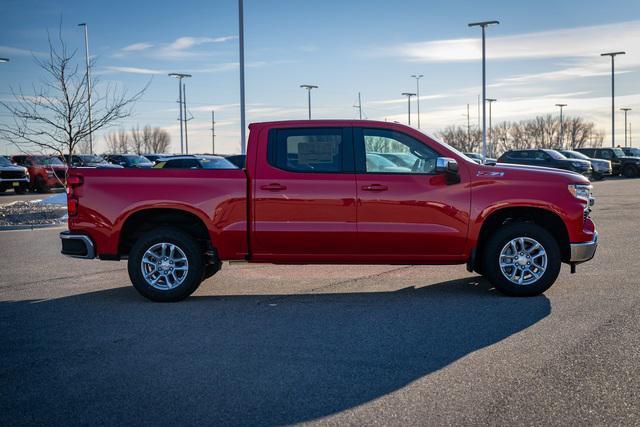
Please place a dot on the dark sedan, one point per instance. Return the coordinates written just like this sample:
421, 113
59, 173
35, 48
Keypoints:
546, 158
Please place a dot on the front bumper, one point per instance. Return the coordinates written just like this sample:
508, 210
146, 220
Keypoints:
24, 180
77, 245
582, 252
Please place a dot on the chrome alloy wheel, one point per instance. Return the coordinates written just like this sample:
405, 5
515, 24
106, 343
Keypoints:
523, 261
164, 266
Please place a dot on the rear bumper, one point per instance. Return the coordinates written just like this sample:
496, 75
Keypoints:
77, 245
582, 252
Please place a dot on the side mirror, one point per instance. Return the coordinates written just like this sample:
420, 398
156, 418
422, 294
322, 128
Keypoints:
448, 167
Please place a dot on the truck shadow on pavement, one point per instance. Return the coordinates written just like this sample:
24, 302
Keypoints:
112, 357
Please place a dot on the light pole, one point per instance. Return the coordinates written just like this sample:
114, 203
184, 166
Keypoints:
308, 88
243, 142
180, 76
490, 101
484, 26
613, 94
86, 55
408, 95
213, 132
561, 136
625, 124
359, 106
418, 77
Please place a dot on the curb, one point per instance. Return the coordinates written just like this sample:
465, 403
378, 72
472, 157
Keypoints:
29, 227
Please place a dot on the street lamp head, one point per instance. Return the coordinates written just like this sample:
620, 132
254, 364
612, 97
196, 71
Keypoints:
4, 59
483, 23
491, 100
309, 87
179, 75
417, 76
612, 54
408, 94
82, 24
561, 105
625, 109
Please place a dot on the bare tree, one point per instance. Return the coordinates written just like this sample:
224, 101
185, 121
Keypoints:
54, 117
462, 138
156, 140
137, 140
118, 142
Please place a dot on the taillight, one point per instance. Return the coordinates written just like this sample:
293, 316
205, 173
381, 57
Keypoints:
73, 182
72, 206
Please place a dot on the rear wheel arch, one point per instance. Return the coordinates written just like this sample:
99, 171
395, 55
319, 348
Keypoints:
545, 218
142, 221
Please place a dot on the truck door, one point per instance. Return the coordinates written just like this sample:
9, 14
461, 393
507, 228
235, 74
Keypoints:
304, 196
406, 212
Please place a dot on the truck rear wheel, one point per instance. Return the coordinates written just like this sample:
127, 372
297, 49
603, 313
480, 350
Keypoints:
522, 259
166, 265
630, 171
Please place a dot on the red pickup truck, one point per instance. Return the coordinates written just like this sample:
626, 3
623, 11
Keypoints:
339, 192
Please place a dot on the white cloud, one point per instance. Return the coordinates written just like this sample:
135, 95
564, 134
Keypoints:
137, 47
562, 43
133, 70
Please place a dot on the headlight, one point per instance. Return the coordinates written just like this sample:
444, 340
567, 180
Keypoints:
581, 191
578, 165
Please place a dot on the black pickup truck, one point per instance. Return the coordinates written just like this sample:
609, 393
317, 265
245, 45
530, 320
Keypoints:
621, 163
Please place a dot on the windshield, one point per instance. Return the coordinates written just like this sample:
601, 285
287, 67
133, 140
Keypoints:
136, 160
216, 163
48, 161
635, 152
619, 152
554, 154
575, 155
92, 159
5, 162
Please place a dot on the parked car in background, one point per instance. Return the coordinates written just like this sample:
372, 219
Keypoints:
405, 160
194, 162
45, 172
377, 162
88, 161
154, 157
477, 157
237, 159
631, 151
13, 176
600, 167
129, 160
621, 163
313, 192
546, 158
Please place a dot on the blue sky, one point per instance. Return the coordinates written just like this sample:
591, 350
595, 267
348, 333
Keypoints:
542, 53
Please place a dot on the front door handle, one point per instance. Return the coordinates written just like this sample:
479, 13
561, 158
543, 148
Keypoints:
273, 187
375, 187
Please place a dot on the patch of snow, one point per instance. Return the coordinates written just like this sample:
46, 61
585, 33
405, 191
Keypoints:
56, 199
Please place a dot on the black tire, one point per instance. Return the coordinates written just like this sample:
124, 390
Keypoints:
491, 259
184, 242
21, 189
41, 186
630, 171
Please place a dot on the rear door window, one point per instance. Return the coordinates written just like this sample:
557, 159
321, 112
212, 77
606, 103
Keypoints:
312, 150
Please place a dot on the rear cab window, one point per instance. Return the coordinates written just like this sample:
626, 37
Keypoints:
311, 150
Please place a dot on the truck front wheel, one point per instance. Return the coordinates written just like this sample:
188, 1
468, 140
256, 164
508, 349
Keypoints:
522, 259
166, 265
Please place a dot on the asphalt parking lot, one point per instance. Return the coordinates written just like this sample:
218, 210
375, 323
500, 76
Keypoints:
263, 344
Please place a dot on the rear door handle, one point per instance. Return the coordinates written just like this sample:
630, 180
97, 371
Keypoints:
273, 187
375, 187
